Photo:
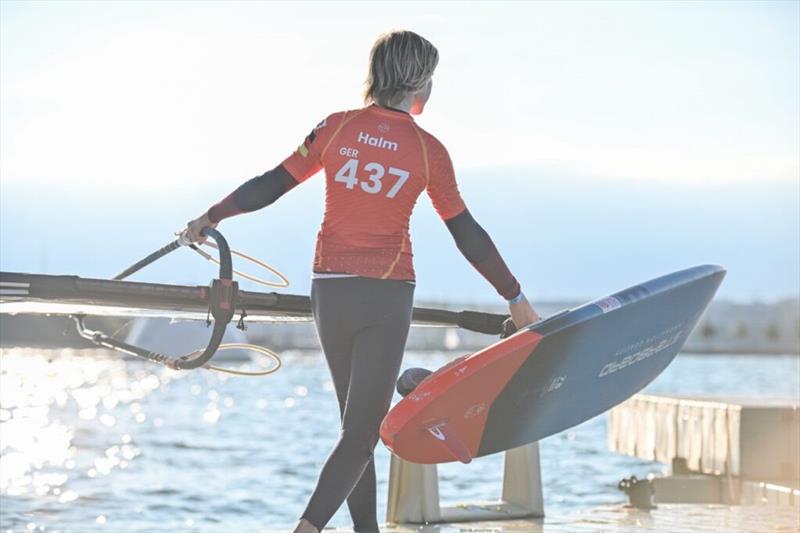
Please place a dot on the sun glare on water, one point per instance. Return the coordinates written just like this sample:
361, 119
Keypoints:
58, 411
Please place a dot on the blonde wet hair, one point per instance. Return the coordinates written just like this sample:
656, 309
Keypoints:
400, 63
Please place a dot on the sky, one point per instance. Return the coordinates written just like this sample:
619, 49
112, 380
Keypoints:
600, 143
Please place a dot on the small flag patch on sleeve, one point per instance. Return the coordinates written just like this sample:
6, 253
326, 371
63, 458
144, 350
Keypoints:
302, 150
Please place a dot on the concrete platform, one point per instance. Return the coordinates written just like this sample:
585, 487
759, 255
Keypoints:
672, 518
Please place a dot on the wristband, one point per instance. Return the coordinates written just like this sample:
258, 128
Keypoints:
517, 299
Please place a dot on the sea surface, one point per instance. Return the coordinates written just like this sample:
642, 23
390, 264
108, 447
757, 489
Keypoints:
93, 442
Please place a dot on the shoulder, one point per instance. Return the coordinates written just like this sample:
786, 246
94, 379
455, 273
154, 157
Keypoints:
334, 121
435, 149
338, 117
432, 143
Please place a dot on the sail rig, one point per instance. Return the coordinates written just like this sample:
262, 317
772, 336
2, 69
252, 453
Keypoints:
222, 301
45, 294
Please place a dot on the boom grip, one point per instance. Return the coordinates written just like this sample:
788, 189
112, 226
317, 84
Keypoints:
481, 322
223, 295
225, 260
187, 363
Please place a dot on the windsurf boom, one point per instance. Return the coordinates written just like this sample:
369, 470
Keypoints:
47, 294
222, 300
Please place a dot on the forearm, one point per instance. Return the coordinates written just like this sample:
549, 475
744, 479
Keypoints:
478, 248
254, 194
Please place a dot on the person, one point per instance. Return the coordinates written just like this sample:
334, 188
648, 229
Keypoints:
377, 162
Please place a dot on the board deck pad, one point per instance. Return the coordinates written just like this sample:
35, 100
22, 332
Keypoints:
551, 375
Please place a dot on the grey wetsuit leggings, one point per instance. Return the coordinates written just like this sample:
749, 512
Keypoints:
362, 324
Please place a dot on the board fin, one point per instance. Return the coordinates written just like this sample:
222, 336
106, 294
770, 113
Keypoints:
447, 437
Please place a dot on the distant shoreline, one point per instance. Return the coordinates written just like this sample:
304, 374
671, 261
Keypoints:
739, 352
49, 346
723, 330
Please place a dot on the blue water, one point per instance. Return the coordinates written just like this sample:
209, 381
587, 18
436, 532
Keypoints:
97, 443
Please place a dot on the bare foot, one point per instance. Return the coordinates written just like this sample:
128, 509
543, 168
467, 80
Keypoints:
305, 527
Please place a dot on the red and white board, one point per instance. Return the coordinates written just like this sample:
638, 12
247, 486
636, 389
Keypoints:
551, 375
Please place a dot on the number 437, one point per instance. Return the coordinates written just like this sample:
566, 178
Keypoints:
347, 175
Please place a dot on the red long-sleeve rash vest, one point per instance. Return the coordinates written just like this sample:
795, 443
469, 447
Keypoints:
377, 162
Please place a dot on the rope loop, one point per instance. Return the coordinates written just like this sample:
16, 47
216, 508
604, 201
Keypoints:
282, 284
274, 356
